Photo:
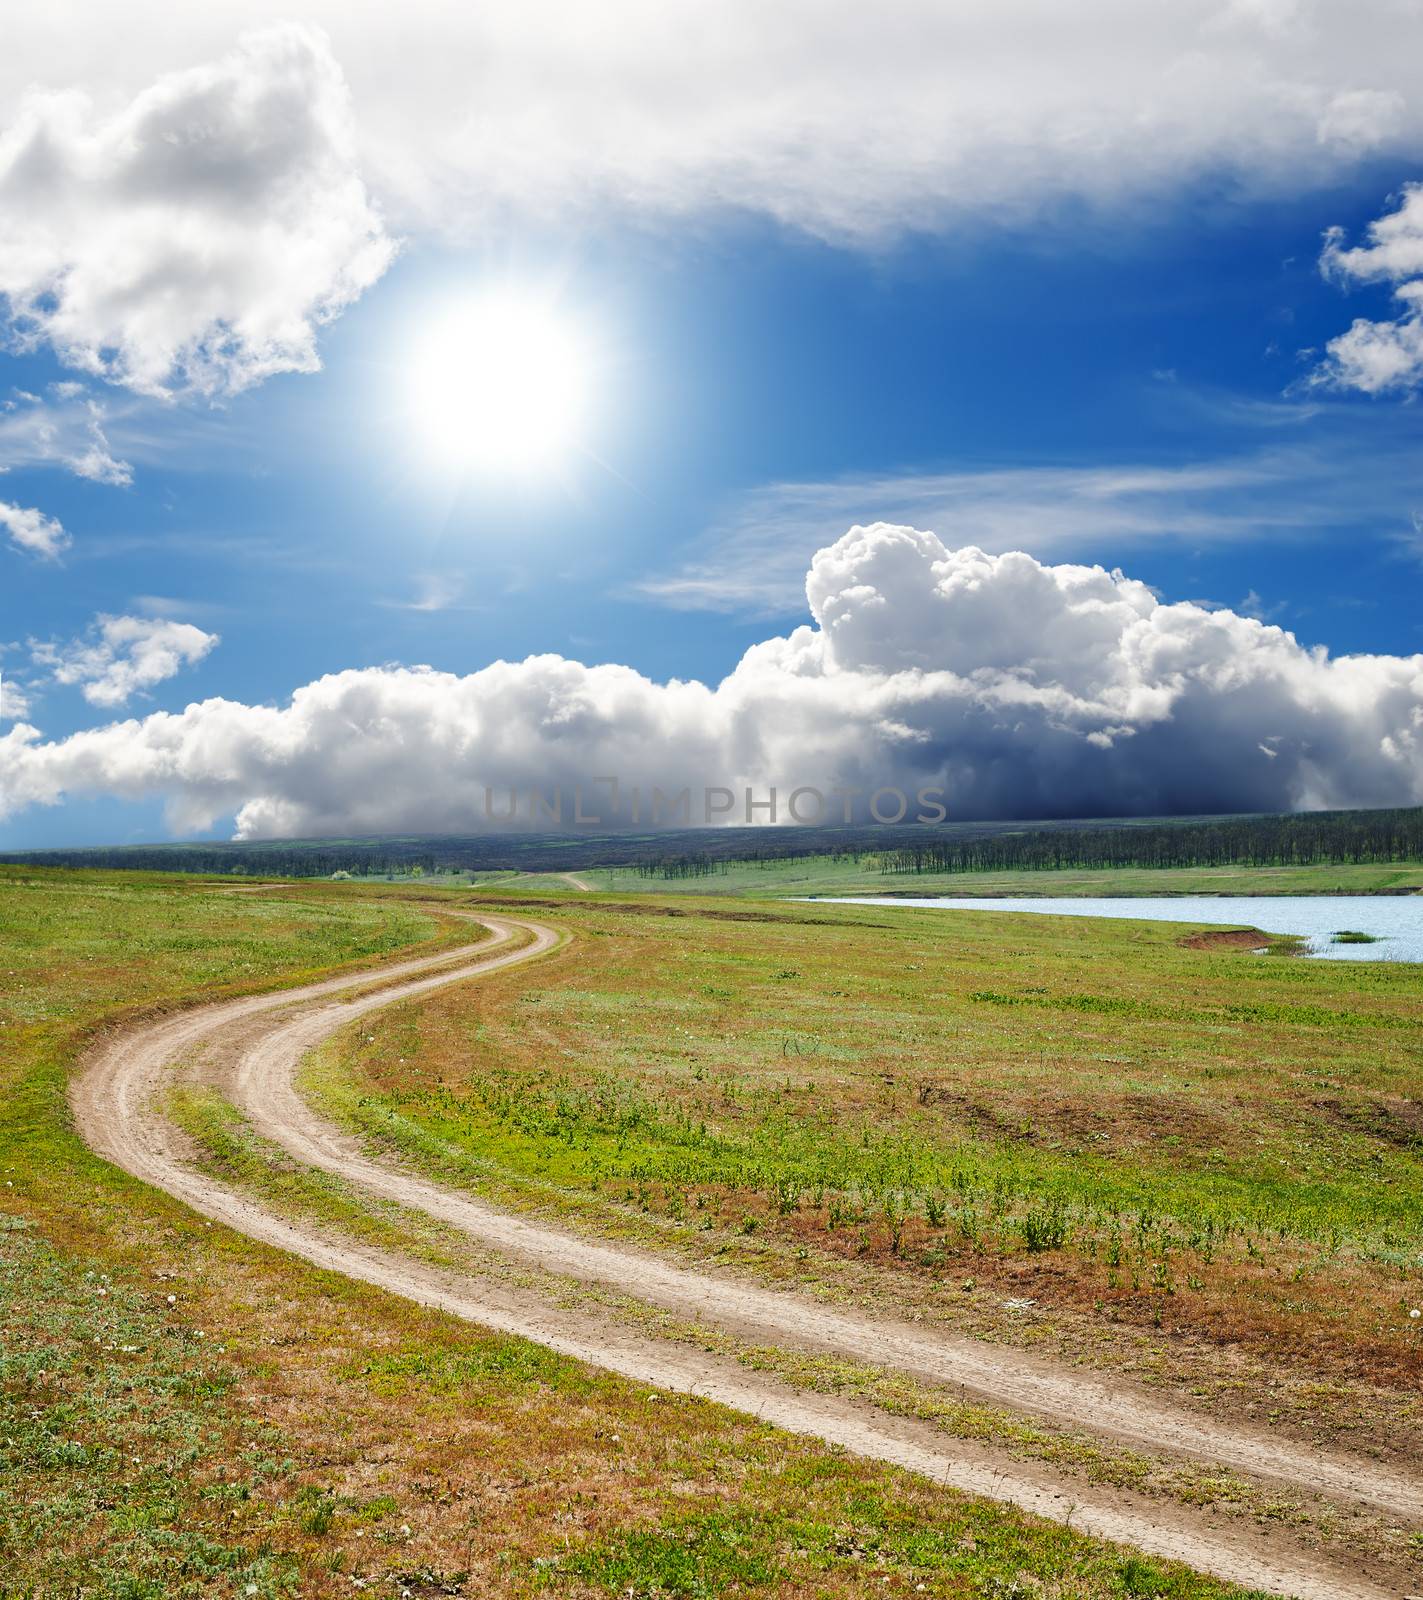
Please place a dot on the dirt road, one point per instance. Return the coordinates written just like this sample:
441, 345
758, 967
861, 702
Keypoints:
260, 1039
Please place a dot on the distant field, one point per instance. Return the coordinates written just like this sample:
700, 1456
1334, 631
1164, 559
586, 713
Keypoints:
188, 1415
838, 875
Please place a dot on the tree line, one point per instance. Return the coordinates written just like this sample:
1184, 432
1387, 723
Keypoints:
1320, 838
678, 867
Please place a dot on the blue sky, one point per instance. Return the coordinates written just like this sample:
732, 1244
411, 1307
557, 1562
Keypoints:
1123, 384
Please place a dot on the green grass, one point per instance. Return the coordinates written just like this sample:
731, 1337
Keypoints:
81, 947
861, 875
230, 1150
699, 1555
280, 1432
826, 1527
1005, 1195
116, 1414
1205, 1140
96, 1369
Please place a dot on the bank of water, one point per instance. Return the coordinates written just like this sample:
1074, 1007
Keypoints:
1393, 923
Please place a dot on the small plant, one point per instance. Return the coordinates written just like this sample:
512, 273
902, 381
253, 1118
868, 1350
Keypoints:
429, 1581
1045, 1227
1142, 1579
1008, 1589
968, 1225
319, 1514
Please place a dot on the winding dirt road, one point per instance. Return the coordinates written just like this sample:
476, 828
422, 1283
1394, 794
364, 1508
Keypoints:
257, 1043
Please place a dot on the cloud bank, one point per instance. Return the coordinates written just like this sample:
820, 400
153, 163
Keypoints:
188, 229
852, 122
1020, 688
196, 238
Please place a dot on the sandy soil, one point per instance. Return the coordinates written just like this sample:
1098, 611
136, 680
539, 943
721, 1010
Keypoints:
257, 1042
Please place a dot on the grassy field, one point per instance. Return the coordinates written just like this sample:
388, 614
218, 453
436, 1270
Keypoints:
1111, 1133
185, 1414
862, 875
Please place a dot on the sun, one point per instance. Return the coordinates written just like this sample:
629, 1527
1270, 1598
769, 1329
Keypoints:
500, 385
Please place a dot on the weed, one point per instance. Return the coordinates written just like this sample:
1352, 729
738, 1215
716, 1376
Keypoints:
1045, 1227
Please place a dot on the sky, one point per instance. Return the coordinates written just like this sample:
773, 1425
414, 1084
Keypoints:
394, 410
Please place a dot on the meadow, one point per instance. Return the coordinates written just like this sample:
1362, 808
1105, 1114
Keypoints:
1116, 1133
184, 1413
861, 874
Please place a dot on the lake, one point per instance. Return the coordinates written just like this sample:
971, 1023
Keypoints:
1396, 921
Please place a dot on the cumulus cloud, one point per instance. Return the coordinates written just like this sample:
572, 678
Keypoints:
1378, 356
32, 531
847, 120
196, 238
122, 656
66, 431
1022, 689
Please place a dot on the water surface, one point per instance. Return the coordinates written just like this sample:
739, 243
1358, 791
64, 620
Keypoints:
1395, 921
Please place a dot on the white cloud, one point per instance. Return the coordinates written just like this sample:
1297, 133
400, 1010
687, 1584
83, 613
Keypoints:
848, 120
67, 432
1362, 119
1023, 689
196, 237
122, 656
33, 531
15, 704
1378, 356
